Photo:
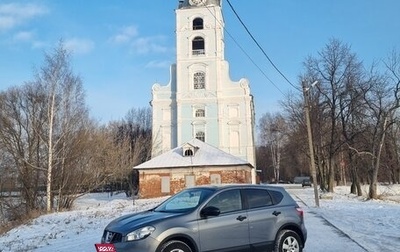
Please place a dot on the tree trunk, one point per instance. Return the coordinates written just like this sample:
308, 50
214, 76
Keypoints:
50, 157
374, 176
331, 174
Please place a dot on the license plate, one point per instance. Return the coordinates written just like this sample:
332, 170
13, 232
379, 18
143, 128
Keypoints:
105, 247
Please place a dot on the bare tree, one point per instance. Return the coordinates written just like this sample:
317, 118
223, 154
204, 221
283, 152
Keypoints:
383, 100
20, 128
49, 144
273, 134
335, 68
393, 72
296, 150
66, 111
393, 154
134, 132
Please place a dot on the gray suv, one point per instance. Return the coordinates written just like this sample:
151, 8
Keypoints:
214, 218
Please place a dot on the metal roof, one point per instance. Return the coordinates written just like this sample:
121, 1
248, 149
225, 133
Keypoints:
204, 155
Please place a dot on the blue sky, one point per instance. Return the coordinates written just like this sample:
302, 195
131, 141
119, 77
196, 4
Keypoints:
122, 47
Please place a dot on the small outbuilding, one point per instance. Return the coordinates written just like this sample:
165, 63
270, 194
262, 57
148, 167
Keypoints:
191, 164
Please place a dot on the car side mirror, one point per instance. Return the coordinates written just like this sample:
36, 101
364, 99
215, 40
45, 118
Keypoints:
210, 211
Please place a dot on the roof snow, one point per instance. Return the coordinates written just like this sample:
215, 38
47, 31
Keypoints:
203, 155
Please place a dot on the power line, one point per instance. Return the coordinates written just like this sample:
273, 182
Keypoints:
248, 56
259, 46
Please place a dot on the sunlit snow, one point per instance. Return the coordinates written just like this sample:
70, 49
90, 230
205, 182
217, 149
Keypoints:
343, 222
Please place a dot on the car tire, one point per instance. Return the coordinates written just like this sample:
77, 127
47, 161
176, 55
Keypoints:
288, 241
175, 246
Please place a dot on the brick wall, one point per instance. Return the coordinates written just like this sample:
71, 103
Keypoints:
150, 179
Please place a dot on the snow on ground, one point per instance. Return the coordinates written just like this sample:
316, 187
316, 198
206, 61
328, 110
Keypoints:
372, 224
343, 222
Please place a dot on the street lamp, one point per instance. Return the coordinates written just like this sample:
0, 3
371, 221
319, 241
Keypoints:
310, 141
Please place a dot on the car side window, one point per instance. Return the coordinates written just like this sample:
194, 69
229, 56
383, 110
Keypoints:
258, 198
227, 201
276, 196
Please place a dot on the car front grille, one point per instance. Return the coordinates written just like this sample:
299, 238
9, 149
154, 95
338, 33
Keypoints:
111, 237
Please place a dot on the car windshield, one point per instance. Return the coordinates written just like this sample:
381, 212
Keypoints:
185, 201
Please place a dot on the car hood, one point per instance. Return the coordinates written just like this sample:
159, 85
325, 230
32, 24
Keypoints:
128, 223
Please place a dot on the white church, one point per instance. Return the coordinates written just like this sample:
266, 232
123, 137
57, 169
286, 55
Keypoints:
201, 101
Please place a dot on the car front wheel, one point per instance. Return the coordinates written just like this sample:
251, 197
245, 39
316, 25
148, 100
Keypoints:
288, 241
175, 246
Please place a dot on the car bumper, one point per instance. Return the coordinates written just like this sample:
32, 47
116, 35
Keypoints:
145, 245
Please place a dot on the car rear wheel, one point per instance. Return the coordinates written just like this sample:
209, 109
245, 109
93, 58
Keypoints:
288, 241
175, 246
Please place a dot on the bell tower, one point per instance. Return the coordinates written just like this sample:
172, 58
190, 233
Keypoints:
201, 101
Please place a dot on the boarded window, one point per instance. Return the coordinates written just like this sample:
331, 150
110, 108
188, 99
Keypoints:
189, 181
215, 179
165, 184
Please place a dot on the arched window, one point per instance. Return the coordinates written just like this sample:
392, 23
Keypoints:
199, 80
201, 136
188, 153
198, 24
198, 46
200, 113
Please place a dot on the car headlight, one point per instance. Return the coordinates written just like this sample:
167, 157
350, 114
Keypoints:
140, 233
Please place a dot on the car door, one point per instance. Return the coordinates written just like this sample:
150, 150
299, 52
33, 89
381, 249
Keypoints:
262, 216
229, 230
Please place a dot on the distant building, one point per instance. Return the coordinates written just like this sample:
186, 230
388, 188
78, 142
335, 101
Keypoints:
201, 101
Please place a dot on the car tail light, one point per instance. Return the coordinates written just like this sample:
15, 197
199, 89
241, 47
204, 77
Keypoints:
300, 212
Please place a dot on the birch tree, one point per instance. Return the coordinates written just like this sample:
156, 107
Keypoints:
273, 134
65, 110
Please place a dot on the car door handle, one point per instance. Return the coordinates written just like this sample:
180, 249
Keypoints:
276, 213
241, 218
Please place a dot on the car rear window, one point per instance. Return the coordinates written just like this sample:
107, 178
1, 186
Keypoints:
257, 198
276, 196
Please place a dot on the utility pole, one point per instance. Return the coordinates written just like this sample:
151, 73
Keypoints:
310, 141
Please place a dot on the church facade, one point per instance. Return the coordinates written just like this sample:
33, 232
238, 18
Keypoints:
201, 101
